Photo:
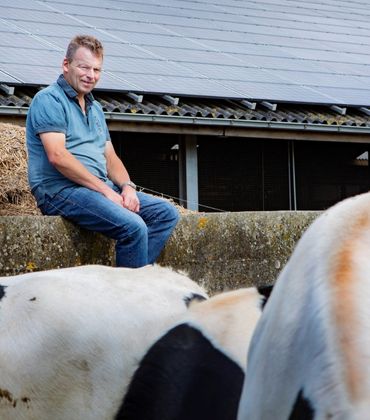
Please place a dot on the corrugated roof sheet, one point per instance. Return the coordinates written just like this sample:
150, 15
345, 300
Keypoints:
275, 50
210, 108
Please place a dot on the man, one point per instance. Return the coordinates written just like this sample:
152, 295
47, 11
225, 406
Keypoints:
74, 171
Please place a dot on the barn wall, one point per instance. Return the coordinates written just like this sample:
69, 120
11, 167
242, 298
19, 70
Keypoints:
249, 174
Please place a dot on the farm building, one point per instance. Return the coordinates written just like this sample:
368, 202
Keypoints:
232, 106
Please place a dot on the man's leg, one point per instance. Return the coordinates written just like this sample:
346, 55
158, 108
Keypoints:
91, 210
161, 218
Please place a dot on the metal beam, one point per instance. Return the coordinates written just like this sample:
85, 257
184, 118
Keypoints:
249, 105
135, 97
231, 127
269, 105
338, 109
365, 110
171, 99
188, 172
292, 177
9, 90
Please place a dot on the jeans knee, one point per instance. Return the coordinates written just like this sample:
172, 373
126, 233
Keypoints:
171, 213
137, 231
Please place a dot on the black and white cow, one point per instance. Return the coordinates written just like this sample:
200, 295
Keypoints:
196, 370
310, 354
70, 339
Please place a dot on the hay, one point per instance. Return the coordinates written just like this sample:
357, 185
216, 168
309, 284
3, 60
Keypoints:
15, 194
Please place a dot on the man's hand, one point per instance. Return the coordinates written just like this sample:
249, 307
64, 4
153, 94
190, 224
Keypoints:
130, 199
113, 196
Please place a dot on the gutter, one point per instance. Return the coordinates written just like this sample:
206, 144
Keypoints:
13, 110
216, 122
224, 122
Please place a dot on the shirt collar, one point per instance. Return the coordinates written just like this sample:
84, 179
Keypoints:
68, 89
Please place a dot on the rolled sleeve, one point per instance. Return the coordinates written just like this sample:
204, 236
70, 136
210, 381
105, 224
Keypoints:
48, 114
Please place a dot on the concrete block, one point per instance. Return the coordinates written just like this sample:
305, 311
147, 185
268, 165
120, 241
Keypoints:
225, 251
222, 251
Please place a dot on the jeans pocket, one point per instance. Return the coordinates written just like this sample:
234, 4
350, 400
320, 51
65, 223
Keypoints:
49, 207
53, 206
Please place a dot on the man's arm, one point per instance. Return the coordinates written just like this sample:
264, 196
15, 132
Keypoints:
72, 168
118, 174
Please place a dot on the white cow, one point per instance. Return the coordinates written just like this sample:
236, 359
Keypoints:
196, 370
70, 339
310, 353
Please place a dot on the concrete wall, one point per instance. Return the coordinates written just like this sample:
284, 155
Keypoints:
222, 251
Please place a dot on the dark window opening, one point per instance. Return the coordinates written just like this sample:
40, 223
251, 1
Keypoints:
238, 174
327, 173
243, 174
150, 159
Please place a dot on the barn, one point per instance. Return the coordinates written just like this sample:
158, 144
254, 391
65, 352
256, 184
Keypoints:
223, 106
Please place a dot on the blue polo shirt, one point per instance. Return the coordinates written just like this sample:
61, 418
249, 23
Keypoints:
56, 109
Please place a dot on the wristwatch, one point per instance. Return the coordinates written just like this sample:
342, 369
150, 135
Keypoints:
129, 183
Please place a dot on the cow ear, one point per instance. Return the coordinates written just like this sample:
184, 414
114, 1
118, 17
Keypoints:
194, 297
265, 292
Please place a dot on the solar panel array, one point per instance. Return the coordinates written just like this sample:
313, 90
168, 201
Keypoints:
315, 51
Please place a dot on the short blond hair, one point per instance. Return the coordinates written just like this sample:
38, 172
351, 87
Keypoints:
87, 41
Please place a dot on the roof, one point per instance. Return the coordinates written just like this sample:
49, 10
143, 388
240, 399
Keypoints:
277, 51
156, 108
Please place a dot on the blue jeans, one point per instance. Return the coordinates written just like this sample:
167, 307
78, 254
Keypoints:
140, 236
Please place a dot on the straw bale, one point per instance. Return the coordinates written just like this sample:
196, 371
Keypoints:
15, 195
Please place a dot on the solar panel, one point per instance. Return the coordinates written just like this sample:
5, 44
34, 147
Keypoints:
348, 96
279, 92
35, 75
320, 79
276, 50
23, 15
345, 68
19, 56
5, 78
141, 66
20, 4
113, 81
185, 86
185, 55
145, 39
12, 40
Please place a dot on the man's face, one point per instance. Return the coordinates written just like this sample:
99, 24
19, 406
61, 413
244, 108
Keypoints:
83, 72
